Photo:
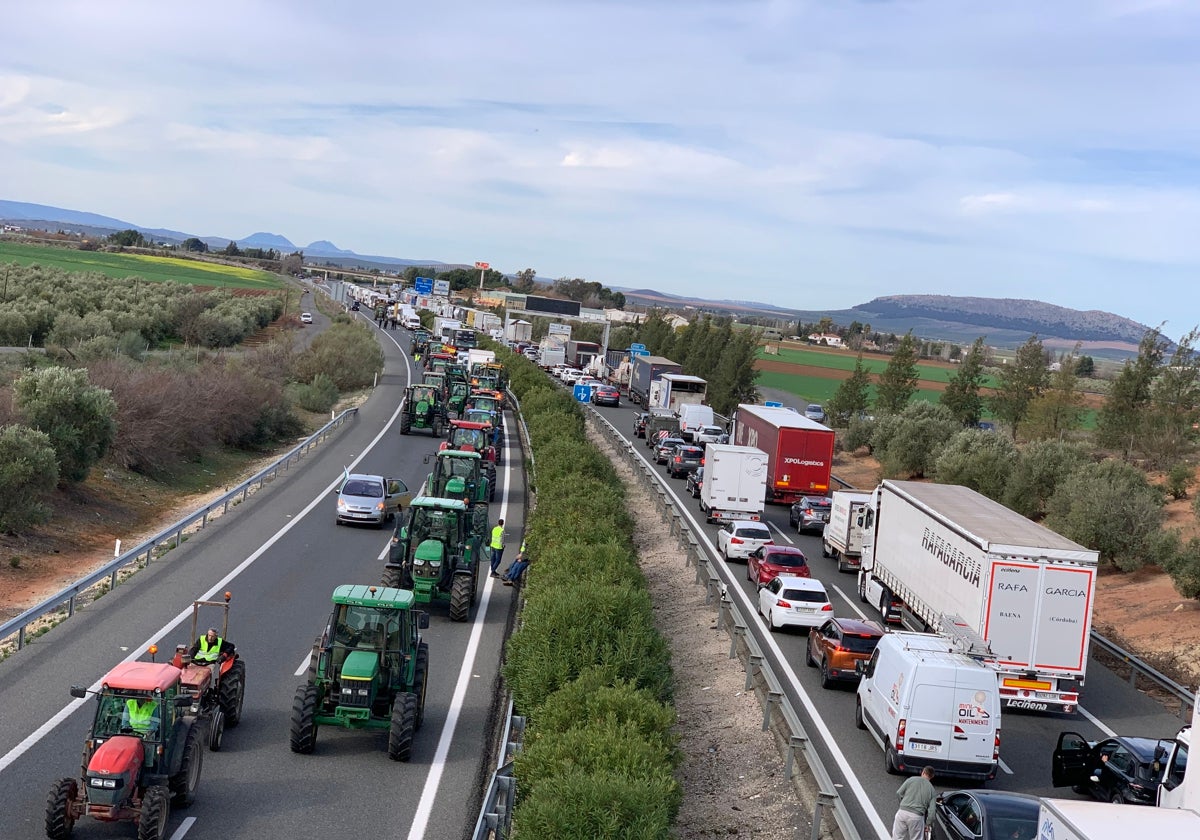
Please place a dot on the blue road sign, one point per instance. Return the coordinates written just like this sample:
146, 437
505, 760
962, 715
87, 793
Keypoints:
772, 404
583, 393
424, 285
638, 347
638, 351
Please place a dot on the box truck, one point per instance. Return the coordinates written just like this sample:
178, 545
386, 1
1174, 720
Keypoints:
735, 482
927, 701
944, 549
643, 371
675, 390
800, 451
551, 353
843, 536
1077, 819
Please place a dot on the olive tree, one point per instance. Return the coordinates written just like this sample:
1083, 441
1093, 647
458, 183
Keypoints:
78, 417
1040, 467
28, 473
977, 459
907, 444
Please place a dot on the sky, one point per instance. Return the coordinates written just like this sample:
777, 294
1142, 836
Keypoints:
811, 154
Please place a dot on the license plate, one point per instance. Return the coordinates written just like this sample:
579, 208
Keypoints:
805, 609
918, 747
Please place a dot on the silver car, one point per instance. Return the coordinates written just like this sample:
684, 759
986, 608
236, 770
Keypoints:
370, 499
815, 412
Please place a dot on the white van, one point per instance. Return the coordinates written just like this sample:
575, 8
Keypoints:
692, 417
927, 704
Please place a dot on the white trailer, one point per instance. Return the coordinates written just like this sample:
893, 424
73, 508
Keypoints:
551, 353
843, 536
672, 390
947, 550
1077, 819
735, 482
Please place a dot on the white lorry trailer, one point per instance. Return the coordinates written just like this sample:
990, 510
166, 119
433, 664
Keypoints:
735, 482
946, 550
1076, 819
843, 536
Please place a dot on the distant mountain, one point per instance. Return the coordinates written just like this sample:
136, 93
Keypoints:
267, 241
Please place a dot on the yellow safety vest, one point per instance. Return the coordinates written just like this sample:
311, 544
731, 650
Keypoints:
141, 714
498, 537
207, 653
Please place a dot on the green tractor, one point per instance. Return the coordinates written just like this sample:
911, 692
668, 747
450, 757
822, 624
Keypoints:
423, 409
459, 391
469, 467
436, 552
367, 671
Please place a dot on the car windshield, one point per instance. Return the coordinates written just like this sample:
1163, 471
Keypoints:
753, 533
786, 558
362, 487
809, 596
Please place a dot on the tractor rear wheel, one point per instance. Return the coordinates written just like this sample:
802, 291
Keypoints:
391, 577
420, 675
156, 809
60, 817
460, 598
304, 724
404, 724
437, 427
184, 783
233, 693
405, 423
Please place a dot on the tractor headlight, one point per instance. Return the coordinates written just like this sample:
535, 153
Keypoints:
418, 562
107, 784
435, 563
363, 692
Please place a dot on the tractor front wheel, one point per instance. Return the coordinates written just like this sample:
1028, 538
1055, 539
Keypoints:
420, 674
405, 423
391, 577
460, 598
216, 730
184, 783
233, 693
404, 724
60, 813
304, 724
156, 809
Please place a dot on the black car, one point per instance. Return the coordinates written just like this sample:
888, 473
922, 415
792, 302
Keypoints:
985, 815
1121, 770
810, 513
639, 424
684, 460
695, 481
606, 395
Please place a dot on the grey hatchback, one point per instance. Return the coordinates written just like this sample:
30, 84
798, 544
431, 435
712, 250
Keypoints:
370, 499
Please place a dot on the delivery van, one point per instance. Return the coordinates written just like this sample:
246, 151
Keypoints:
929, 704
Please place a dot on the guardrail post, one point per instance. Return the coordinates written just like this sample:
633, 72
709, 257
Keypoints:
736, 632
21, 638
753, 665
824, 800
71, 606
795, 742
774, 698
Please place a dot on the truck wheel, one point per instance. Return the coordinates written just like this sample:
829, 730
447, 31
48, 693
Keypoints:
404, 724
420, 675
233, 694
460, 598
184, 783
216, 730
858, 714
156, 809
304, 724
825, 550
60, 818
437, 427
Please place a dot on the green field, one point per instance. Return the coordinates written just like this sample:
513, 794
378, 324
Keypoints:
845, 361
158, 269
818, 389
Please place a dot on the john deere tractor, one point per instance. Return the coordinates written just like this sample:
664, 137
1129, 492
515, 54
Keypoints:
423, 409
466, 436
143, 754
459, 390
436, 554
367, 670
450, 464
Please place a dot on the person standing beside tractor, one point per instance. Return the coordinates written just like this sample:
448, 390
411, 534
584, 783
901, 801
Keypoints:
497, 547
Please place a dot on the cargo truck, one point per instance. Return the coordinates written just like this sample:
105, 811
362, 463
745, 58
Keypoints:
936, 549
551, 353
800, 451
735, 482
1075, 819
644, 370
675, 390
843, 536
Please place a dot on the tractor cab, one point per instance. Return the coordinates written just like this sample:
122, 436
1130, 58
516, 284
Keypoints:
467, 466
485, 401
459, 391
471, 437
436, 552
436, 379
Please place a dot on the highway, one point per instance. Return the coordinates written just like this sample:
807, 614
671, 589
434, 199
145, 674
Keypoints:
281, 556
853, 758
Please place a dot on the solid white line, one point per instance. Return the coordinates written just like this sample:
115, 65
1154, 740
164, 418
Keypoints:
433, 781
46, 728
304, 663
779, 531
183, 828
1099, 724
849, 602
1004, 766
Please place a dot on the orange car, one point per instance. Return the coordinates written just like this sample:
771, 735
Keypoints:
838, 644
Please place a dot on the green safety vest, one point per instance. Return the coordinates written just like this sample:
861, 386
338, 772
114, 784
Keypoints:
141, 714
498, 537
207, 653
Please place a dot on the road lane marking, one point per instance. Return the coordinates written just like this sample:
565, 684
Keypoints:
1004, 766
1097, 721
779, 531
49, 726
433, 781
849, 602
304, 663
183, 828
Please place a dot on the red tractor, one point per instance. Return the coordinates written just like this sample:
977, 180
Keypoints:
143, 754
217, 692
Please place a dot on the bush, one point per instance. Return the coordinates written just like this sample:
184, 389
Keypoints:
593, 700
28, 474
78, 417
907, 444
980, 460
318, 395
599, 806
1110, 507
348, 354
1040, 467
1179, 479
1183, 565
859, 433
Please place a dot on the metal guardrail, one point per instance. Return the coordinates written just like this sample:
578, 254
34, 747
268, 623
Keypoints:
163, 539
495, 814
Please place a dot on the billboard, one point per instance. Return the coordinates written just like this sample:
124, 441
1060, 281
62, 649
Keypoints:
554, 305
559, 329
441, 287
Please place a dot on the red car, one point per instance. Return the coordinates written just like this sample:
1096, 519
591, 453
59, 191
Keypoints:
772, 560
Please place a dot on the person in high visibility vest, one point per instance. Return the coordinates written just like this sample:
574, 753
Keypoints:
497, 546
141, 716
518, 567
210, 649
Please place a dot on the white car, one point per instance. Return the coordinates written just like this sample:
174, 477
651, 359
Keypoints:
305, 317
710, 434
571, 376
738, 539
794, 602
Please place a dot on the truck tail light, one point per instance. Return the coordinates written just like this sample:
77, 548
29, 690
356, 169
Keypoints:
900, 731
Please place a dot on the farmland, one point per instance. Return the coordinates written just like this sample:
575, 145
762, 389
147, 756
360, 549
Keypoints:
148, 267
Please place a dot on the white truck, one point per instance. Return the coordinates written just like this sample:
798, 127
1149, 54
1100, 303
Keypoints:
444, 328
843, 536
946, 550
475, 356
551, 353
735, 482
672, 390
1077, 819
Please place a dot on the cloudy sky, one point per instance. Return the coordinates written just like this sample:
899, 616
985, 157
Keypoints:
812, 154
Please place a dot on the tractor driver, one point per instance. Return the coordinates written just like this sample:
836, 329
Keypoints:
210, 649
141, 715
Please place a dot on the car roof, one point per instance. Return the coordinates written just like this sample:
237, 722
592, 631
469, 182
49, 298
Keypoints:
1003, 803
794, 582
782, 549
739, 524
860, 627
816, 500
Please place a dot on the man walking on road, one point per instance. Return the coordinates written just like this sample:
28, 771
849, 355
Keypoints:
916, 807
497, 547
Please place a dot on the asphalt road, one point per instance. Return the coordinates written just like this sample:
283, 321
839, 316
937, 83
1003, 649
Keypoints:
852, 757
281, 555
